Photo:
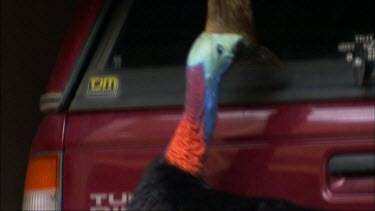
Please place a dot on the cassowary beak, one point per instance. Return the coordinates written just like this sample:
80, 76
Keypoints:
256, 54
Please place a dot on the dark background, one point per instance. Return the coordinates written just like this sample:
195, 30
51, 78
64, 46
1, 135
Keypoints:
31, 35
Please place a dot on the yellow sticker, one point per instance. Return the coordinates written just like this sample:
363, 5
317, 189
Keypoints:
103, 86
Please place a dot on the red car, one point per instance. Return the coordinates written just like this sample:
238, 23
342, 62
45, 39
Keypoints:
304, 132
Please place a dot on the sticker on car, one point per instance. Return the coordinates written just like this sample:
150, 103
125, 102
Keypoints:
103, 86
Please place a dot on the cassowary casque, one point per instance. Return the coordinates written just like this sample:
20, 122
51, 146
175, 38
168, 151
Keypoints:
174, 181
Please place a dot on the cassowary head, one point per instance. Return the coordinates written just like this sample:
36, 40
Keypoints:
209, 57
215, 52
228, 26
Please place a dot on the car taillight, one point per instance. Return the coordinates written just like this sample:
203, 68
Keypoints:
42, 185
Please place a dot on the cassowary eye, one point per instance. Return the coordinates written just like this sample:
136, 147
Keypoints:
220, 49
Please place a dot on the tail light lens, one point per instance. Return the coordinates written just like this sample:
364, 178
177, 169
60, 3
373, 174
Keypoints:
42, 185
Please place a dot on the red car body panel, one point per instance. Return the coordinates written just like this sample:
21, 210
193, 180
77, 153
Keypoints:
273, 150
50, 134
84, 19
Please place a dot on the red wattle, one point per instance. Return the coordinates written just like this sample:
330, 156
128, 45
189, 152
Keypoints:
187, 147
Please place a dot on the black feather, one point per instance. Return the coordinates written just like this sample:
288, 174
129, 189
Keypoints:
165, 187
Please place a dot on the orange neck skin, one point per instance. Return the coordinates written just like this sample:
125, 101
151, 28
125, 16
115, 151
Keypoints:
187, 147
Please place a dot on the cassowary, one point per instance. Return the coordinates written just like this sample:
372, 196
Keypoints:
174, 181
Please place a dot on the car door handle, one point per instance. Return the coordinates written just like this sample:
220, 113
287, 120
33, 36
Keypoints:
351, 174
352, 165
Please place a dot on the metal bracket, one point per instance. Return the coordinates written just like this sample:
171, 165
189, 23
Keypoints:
361, 54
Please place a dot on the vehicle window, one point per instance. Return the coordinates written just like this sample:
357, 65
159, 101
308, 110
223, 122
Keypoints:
303, 29
317, 41
158, 33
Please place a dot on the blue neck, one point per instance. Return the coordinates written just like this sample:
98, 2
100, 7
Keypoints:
210, 109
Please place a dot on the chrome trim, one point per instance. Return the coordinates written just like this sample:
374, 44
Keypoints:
50, 101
